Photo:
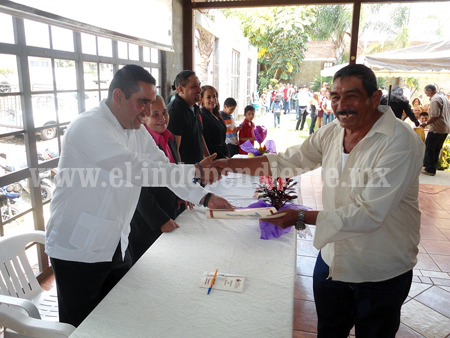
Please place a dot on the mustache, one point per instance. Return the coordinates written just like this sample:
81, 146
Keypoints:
346, 112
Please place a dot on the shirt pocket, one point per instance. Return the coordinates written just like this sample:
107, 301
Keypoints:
95, 234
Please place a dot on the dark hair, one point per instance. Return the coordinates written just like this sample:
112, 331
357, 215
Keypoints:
127, 79
182, 79
365, 74
248, 108
432, 87
415, 101
215, 111
230, 102
424, 113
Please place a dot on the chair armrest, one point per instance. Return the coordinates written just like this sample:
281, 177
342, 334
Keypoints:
25, 304
25, 325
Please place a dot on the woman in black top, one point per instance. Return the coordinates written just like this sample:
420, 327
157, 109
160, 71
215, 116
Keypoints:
214, 129
399, 105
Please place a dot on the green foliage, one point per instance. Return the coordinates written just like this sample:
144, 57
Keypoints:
333, 22
6, 71
280, 34
412, 83
381, 81
318, 81
444, 158
395, 31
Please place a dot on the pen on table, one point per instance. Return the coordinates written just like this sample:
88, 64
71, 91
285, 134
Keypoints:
212, 281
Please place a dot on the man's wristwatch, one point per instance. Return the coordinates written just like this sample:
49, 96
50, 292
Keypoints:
206, 199
300, 224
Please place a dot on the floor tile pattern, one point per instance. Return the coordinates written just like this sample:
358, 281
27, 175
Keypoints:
426, 312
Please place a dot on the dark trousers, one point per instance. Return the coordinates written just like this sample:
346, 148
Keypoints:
82, 286
372, 307
233, 149
313, 123
433, 145
302, 118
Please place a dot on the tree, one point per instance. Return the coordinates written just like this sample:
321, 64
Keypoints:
333, 22
205, 46
280, 34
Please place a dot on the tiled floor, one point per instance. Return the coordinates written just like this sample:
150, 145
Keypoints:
426, 312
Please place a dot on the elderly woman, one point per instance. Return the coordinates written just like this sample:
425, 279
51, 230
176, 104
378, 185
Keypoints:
158, 207
214, 128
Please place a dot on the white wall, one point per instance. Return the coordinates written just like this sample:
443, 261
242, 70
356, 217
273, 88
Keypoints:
228, 37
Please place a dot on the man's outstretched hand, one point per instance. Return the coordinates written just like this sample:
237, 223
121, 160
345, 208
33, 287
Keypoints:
217, 202
216, 169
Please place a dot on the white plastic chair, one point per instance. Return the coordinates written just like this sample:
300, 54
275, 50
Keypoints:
21, 294
24, 325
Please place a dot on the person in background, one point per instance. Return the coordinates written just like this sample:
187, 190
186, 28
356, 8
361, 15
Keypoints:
328, 114
158, 207
422, 117
87, 233
295, 101
287, 99
214, 128
247, 131
292, 91
303, 103
417, 110
416, 103
369, 229
399, 105
231, 140
276, 108
322, 95
185, 121
439, 122
314, 104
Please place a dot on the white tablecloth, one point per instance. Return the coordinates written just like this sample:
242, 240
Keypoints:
160, 296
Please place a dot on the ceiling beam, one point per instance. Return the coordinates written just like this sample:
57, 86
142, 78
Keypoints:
199, 4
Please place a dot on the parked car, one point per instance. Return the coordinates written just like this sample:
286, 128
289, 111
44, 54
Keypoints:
44, 113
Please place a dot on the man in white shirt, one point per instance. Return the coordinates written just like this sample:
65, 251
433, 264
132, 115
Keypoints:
439, 127
368, 232
107, 156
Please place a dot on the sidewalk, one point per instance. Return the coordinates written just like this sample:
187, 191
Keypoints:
426, 312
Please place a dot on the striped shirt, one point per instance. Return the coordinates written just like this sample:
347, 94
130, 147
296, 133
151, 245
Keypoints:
231, 136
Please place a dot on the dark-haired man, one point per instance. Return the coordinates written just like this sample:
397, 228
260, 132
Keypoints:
107, 156
439, 127
185, 122
368, 232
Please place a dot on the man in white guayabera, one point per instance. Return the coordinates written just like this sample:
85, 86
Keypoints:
368, 232
87, 234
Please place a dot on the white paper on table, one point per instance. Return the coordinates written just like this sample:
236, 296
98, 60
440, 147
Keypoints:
241, 213
224, 281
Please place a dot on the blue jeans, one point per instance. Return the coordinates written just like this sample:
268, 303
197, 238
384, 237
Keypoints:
327, 118
286, 106
276, 118
372, 307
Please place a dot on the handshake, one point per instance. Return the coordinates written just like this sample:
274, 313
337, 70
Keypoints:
210, 170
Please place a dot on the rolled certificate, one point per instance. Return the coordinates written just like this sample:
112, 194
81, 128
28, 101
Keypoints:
241, 213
